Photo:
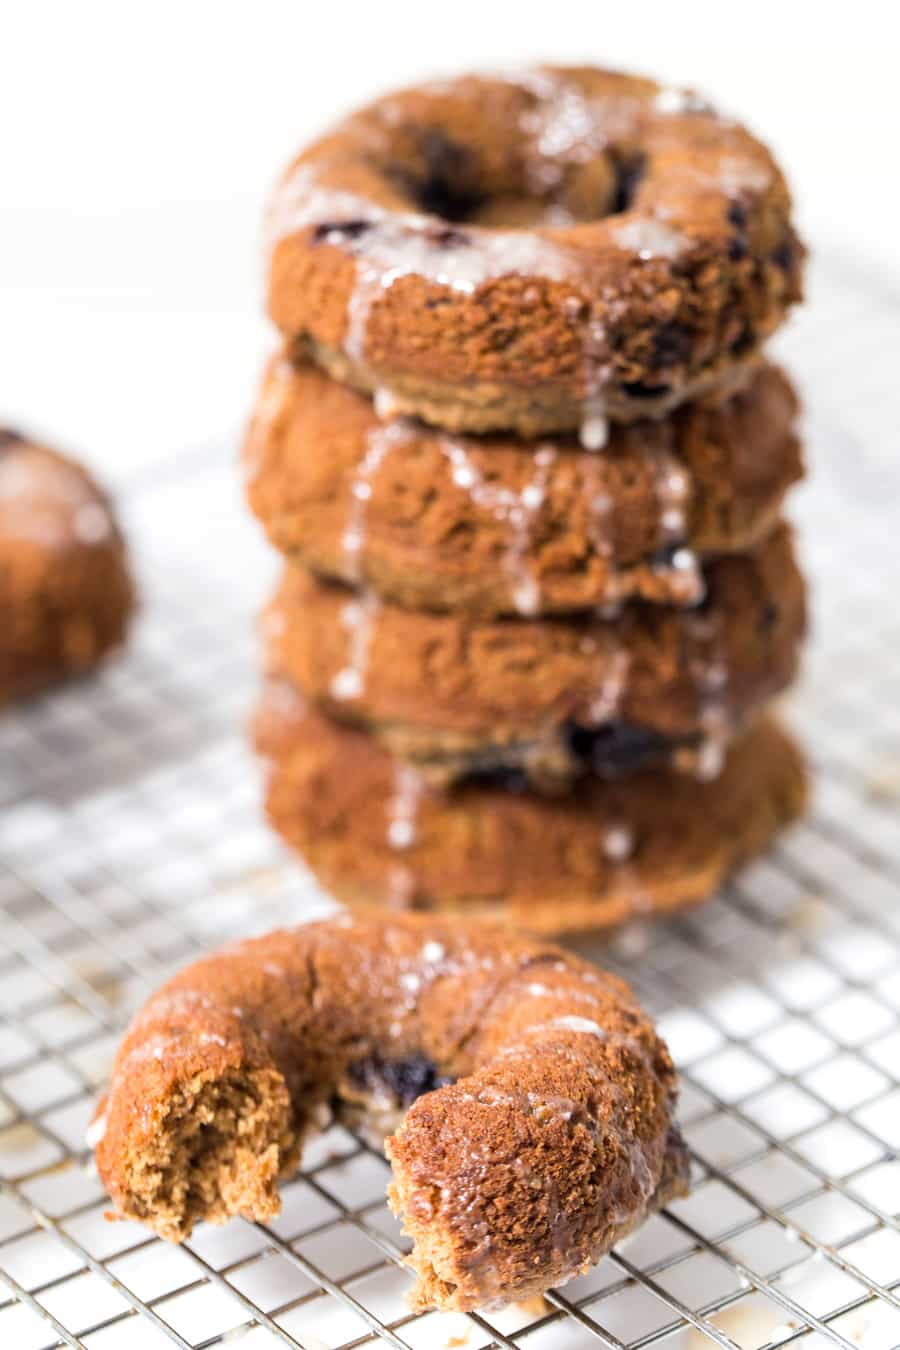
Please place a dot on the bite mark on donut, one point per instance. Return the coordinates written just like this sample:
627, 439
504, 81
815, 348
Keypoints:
219, 1150
222, 1073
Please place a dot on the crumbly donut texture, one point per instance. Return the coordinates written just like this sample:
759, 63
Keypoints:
557, 697
532, 1099
495, 525
376, 834
536, 252
66, 594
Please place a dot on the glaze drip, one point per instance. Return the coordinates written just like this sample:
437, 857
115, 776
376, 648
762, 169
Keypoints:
710, 673
403, 807
672, 495
608, 700
381, 440
519, 510
358, 618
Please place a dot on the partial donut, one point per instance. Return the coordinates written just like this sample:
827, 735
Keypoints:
500, 526
536, 252
459, 695
532, 1100
376, 834
66, 594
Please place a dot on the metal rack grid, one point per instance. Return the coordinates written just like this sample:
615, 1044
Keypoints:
130, 839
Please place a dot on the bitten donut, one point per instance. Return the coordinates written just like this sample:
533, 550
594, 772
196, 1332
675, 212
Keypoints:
65, 590
535, 252
554, 698
501, 526
532, 1099
377, 835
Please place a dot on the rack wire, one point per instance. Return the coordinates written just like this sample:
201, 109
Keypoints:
131, 839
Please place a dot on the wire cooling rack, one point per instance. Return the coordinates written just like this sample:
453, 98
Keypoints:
131, 839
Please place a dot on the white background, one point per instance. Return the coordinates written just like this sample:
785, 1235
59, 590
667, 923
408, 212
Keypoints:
138, 141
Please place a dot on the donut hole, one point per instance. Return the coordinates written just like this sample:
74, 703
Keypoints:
461, 183
447, 187
400, 1081
615, 748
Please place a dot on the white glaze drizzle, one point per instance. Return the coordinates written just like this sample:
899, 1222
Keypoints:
384, 403
594, 430
673, 101
358, 619
518, 509
710, 675
737, 174
583, 1025
608, 699
648, 237
403, 807
618, 843
600, 507
685, 576
380, 440
672, 490
563, 127
401, 888
526, 588
567, 126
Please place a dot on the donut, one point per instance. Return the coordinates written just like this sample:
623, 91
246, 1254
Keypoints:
534, 252
66, 594
457, 694
530, 1097
499, 526
377, 835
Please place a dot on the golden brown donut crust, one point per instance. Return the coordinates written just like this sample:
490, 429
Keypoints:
376, 835
551, 1138
530, 252
66, 594
493, 526
453, 693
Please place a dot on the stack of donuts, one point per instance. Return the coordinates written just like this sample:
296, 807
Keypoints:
525, 460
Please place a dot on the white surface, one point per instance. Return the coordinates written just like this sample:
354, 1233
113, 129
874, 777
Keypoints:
139, 143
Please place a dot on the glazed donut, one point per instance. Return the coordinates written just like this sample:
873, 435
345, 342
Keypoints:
457, 695
65, 591
535, 252
500, 526
532, 1100
376, 835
